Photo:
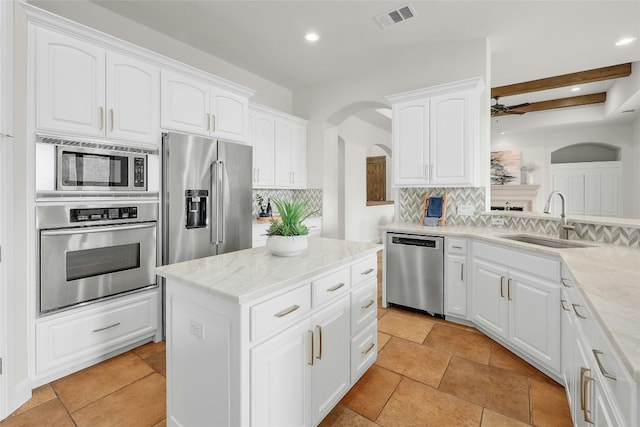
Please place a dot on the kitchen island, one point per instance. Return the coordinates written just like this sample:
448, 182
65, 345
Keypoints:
254, 339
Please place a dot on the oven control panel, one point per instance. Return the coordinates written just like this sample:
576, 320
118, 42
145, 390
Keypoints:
103, 214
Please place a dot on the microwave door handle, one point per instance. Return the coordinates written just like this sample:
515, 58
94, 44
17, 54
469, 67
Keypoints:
68, 231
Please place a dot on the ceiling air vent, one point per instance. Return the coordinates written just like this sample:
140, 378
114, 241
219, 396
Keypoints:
395, 16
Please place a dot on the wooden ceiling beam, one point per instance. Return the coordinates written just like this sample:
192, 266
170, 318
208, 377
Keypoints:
573, 101
581, 77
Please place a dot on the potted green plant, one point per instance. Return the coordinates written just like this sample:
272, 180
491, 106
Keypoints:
287, 236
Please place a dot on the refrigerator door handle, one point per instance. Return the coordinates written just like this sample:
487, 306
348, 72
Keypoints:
217, 188
222, 180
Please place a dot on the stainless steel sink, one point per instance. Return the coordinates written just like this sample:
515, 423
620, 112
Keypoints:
547, 241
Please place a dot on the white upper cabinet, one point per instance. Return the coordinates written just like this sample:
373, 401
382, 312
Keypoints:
279, 148
193, 106
133, 100
70, 82
84, 89
436, 135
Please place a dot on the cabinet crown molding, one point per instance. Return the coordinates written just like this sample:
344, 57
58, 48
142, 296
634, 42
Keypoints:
49, 20
472, 84
263, 108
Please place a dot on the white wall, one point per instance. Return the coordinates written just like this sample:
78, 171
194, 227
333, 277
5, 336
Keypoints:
536, 146
434, 65
361, 222
91, 15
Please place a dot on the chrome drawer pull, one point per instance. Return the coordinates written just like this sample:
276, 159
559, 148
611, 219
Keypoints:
369, 348
287, 311
319, 329
575, 310
369, 304
501, 286
371, 270
106, 327
336, 287
509, 289
596, 354
564, 307
564, 282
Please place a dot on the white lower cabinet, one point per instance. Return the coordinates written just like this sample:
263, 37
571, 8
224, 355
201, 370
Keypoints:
67, 341
599, 388
281, 360
516, 299
455, 292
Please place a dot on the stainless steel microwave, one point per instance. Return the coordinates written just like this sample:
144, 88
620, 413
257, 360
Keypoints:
94, 169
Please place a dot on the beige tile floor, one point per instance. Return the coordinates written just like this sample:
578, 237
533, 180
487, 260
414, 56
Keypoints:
429, 372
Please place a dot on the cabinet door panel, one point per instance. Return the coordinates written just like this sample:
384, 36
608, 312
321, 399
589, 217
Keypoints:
299, 155
133, 100
410, 142
229, 116
264, 151
448, 140
592, 194
70, 91
184, 104
331, 373
609, 188
281, 379
283, 148
456, 285
534, 318
491, 309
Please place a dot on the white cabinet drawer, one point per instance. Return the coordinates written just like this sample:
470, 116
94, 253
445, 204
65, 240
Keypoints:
277, 313
82, 334
456, 246
364, 351
331, 286
541, 266
364, 306
364, 270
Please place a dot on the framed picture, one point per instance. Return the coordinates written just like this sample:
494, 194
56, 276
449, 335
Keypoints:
505, 167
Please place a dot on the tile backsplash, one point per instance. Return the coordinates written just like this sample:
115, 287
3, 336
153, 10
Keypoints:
313, 196
411, 204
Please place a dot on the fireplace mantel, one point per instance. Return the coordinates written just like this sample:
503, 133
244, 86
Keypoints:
524, 196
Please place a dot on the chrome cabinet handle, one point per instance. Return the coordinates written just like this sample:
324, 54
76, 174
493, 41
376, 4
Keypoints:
565, 282
456, 247
336, 287
368, 304
575, 310
501, 286
583, 389
596, 354
461, 271
111, 116
509, 289
213, 123
208, 122
371, 270
319, 329
106, 327
369, 348
587, 410
311, 353
563, 304
101, 118
287, 311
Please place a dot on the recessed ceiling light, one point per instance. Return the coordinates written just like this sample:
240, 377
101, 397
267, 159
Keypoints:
312, 37
575, 89
625, 41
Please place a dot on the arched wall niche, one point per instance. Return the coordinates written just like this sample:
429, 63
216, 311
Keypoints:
586, 152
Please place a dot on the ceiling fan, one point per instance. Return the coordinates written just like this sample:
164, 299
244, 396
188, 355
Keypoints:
498, 108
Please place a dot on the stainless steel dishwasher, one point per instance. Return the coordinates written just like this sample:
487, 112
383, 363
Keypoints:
415, 272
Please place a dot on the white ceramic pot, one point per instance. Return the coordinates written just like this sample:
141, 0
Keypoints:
286, 245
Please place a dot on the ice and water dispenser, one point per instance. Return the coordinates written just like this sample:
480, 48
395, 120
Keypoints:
196, 208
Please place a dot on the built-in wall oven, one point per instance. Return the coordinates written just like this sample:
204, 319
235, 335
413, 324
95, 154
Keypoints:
89, 252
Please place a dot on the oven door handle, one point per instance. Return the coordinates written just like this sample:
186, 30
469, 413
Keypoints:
68, 231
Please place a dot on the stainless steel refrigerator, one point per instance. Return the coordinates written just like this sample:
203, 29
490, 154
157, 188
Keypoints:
206, 197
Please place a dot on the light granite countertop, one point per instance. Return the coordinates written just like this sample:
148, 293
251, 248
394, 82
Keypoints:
249, 274
607, 275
